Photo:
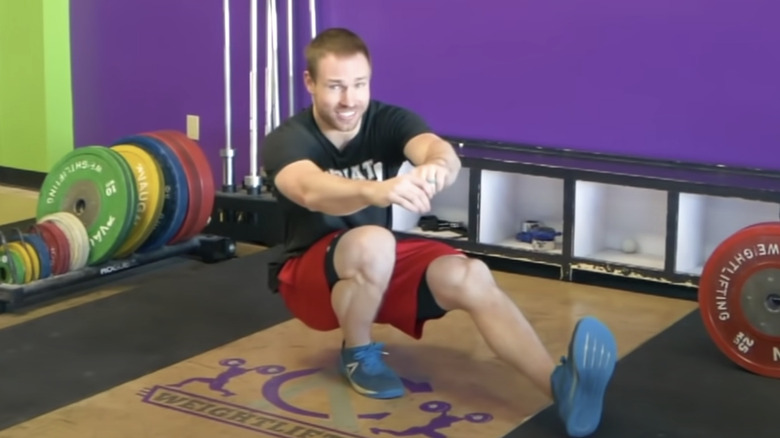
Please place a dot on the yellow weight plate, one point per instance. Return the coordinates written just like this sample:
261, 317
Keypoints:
29, 269
151, 196
17, 249
35, 262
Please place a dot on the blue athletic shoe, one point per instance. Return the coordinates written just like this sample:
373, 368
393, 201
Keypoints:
580, 381
368, 374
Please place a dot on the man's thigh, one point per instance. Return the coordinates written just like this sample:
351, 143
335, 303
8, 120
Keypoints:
305, 286
408, 303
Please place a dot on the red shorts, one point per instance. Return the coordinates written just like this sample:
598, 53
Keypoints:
305, 287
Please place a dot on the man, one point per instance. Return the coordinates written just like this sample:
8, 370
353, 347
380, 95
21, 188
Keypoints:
334, 169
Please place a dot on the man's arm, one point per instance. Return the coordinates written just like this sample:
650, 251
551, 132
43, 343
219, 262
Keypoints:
289, 155
429, 148
309, 186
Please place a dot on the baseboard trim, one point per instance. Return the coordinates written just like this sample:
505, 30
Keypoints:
26, 179
22, 225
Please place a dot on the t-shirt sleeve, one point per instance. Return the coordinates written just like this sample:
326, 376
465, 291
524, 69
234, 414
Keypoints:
285, 146
401, 125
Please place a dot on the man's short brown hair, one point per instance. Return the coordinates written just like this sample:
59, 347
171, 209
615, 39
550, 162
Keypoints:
337, 41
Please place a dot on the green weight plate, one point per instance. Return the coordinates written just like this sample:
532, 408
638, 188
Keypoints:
11, 267
96, 185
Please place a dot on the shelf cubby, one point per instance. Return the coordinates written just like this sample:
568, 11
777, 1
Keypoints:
507, 200
620, 224
704, 221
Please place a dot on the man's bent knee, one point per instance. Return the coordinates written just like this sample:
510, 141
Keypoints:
365, 254
459, 282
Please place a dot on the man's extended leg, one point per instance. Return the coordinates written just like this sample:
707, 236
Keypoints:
577, 385
363, 260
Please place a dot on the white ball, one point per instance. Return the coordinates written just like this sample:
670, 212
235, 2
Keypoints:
630, 246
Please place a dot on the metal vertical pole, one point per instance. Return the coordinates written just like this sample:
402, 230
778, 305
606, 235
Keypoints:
275, 56
269, 61
313, 17
227, 153
290, 57
252, 181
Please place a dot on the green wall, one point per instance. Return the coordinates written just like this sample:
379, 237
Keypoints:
36, 114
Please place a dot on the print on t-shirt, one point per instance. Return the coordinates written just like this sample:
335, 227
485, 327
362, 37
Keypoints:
368, 170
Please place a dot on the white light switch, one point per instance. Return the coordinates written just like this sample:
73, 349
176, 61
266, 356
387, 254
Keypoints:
193, 127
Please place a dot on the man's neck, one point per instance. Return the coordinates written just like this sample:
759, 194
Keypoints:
338, 138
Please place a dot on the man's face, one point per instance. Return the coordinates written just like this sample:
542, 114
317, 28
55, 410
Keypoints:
340, 92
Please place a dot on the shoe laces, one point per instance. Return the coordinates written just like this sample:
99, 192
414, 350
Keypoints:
370, 358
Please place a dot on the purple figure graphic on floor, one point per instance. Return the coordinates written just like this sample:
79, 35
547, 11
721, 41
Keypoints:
442, 421
234, 369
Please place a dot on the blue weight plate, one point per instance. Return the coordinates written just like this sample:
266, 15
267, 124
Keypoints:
176, 201
42, 251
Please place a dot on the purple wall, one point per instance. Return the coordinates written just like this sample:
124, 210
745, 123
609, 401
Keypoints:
653, 78
145, 64
658, 79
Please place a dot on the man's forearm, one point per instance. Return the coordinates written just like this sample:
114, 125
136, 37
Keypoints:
335, 195
442, 153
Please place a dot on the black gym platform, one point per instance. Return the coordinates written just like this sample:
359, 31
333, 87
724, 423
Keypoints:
678, 385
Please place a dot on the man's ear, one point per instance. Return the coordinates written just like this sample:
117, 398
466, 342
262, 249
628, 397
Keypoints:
308, 81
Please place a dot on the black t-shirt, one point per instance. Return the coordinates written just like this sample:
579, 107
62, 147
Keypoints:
376, 153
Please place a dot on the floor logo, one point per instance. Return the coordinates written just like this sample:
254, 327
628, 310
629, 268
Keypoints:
258, 415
